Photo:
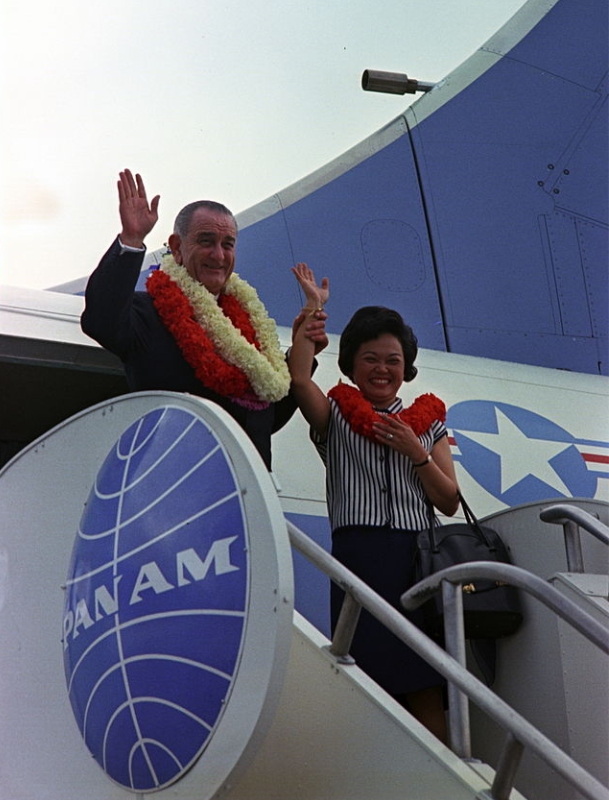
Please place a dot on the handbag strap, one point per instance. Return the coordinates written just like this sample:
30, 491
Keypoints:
473, 521
470, 518
432, 525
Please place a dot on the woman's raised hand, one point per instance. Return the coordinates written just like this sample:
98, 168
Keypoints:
317, 296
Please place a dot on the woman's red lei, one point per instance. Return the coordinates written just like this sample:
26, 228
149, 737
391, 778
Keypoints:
360, 413
197, 348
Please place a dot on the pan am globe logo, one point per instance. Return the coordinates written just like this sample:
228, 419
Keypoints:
156, 600
521, 457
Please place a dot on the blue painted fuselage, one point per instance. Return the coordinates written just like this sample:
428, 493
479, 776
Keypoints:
481, 213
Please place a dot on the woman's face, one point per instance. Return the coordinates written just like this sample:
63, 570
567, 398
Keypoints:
378, 369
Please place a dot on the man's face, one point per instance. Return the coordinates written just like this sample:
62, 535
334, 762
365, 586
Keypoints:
208, 249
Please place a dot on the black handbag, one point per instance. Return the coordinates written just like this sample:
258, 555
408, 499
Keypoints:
491, 609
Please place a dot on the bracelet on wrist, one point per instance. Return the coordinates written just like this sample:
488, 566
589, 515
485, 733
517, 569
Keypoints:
313, 311
428, 460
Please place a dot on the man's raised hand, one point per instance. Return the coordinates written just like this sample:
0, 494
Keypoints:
138, 217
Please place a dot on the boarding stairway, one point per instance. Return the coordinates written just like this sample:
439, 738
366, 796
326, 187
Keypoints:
465, 769
539, 733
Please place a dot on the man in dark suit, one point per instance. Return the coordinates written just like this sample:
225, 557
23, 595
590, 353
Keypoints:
199, 328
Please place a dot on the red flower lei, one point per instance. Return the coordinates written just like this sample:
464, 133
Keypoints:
197, 348
360, 413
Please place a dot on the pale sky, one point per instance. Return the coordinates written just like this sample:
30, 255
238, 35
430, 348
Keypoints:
231, 100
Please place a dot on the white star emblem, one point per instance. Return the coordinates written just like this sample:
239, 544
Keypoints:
521, 456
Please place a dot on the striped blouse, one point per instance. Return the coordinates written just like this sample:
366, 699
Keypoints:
369, 483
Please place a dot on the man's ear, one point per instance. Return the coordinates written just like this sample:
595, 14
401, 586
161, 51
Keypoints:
175, 244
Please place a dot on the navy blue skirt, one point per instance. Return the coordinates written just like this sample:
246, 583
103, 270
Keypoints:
384, 559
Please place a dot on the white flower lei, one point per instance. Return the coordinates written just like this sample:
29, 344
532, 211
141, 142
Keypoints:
266, 368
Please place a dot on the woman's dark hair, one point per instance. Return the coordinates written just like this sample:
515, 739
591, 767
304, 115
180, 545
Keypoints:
367, 324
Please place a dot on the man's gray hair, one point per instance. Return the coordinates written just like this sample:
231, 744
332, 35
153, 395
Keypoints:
184, 218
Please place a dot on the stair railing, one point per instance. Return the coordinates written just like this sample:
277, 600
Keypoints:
450, 581
520, 732
572, 519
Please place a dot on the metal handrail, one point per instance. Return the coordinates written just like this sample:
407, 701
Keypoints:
572, 519
520, 731
450, 581
588, 626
